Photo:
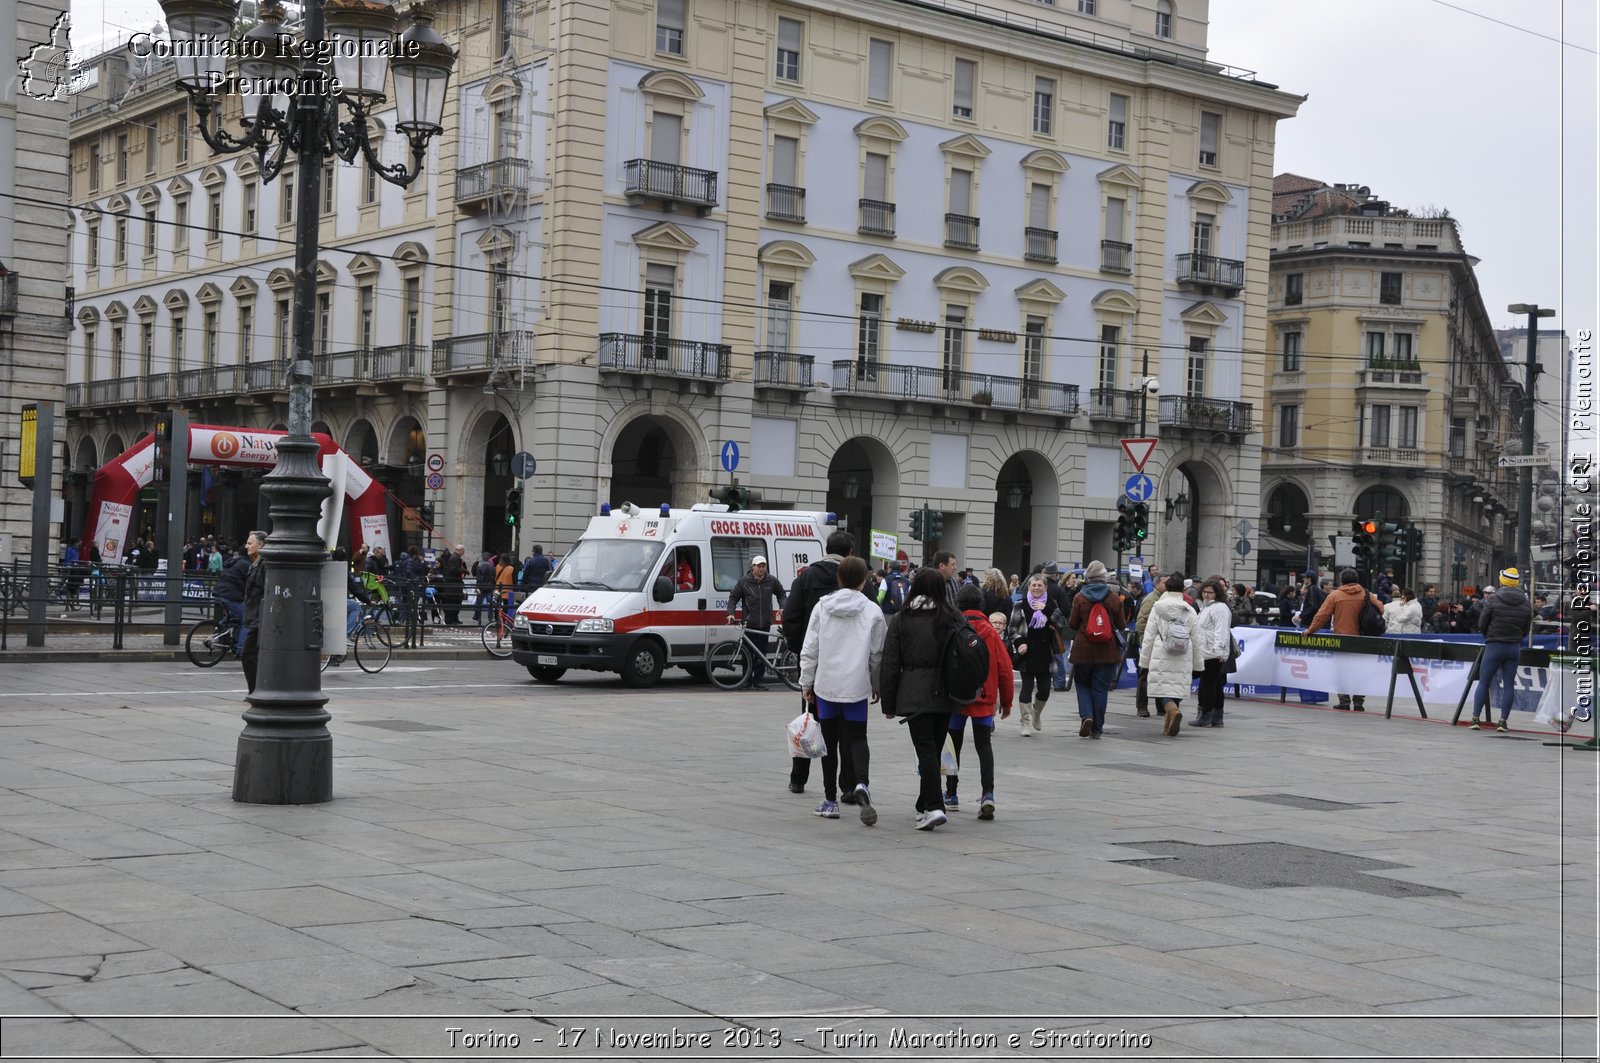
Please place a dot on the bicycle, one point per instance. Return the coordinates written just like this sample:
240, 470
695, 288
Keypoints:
730, 664
370, 644
211, 640
497, 629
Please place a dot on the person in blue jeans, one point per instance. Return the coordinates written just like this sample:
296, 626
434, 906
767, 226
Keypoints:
1505, 621
1097, 647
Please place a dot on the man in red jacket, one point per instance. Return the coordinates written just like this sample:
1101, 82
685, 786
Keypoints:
997, 688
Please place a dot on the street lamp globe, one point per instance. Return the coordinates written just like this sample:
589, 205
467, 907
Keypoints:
422, 66
197, 29
268, 58
362, 32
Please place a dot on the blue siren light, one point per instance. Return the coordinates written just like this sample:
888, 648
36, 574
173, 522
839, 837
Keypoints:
831, 518
666, 509
605, 509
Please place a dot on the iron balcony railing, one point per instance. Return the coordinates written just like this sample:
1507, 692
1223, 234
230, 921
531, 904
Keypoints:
500, 177
1116, 257
657, 356
405, 361
670, 182
343, 367
1114, 404
482, 352
786, 203
1041, 244
74, 395
852, 376
961, 231
780, 369
877, 218
1211, 271
1197, 412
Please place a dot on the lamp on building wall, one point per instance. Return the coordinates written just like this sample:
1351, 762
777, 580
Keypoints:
1177, 507
499, 464
1014, 497
852, 485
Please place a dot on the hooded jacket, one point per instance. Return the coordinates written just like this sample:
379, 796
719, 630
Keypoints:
843, 651
1343, 608
1401, 617
999, 687
1086, 652
912, 680
1507, 617
1171, 674
1215, 631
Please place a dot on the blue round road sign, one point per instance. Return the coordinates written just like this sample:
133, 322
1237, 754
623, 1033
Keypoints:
730, 456
1139, 488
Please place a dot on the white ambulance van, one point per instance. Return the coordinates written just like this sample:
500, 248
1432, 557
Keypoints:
647, 590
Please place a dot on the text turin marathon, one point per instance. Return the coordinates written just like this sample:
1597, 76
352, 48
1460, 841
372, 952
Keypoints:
961, 1038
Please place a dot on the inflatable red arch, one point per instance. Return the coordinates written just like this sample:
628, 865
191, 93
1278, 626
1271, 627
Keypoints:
118, 483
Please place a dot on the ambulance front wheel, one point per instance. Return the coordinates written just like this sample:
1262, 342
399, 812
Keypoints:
644, 664
545, 673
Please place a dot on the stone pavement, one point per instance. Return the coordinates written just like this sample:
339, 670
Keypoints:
515, 870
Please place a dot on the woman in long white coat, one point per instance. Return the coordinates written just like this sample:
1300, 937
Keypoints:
1216, 645
1171, 652
1403, 616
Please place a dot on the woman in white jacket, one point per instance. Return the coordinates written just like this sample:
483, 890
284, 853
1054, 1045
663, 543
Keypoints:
839, 664
1216, 644
1171, 652
1403, 616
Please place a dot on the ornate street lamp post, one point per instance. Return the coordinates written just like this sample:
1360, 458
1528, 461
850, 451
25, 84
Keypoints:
292, 93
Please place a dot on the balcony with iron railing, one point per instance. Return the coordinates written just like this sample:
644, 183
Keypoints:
185, 385
1116, 257
786, 203
780, 369
1117, 405
504, 180
1209, 271
877, 218
961, 232
401, 362
1197, 413
1040, 244
1392, 457
657, 356
482, 352
910, 383
342, 367
1391, 375
669, 183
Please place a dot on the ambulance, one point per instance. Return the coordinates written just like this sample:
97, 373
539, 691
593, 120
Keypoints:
647, 590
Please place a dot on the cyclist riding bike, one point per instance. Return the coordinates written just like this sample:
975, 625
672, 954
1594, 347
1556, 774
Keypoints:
355, 597
756, 591
229, 593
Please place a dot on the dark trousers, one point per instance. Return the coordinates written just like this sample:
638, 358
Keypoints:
981, 741
762, 638
800, 767
927, 737
1141, 694
1094, 683
1035, 688
847, 756
1211, 683
251, 657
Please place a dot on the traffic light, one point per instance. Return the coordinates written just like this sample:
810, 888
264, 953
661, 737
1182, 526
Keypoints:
916, 525
1458, 571
1389, 552
733, 496
1141, 523
1122, 535
1365, 544
1402, 542
425, 512
935, 524
162, 458
1413, 543
513, 505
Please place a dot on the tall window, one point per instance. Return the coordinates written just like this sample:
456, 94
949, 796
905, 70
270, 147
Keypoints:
248, 196
1163, 18
1374, 348
1195, 375
94, 167
1458, 437
214, 216
281, 330
117, 351
150, 132
877, 178
120, 242
122, 158
966, 78
150, 233
147, 347
1408, 427
670, 24
211, 338
1204, 228
1289, 425
869, 335
1292, 345
182, 116
413, 311
955, 344
1210, 124
369, 184
780, 310
92, 240
327, 189
91, 371
658, 285
364, 326
324, 320
1110, 343
1044, 105
961, 192
786, 161
286, 200
1294, 289
1404, 352
880, 65
500, 299
247, 332
1389, 289
789, 37
1085, 7
180, 340
666, 138
1117, 123
1379, 434
1033, 341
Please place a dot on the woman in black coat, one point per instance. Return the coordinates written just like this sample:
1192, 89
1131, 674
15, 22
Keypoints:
912, 682
1035, 634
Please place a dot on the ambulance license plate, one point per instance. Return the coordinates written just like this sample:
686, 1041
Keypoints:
543, 659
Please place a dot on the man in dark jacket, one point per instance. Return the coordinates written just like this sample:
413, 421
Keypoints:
755, 592
1504, 622
255, 587
812, 582
230, 586
535, 570
452, 583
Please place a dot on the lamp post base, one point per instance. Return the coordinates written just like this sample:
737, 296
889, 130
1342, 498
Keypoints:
284, 769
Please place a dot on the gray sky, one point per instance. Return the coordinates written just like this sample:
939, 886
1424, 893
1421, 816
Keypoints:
1429, 105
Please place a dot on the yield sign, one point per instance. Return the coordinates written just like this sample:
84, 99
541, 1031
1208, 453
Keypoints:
1139, 450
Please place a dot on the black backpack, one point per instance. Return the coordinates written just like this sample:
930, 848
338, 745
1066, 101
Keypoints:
1370, 620
965, 665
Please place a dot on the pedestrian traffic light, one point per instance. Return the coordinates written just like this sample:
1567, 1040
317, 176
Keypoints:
1141, 522
513, 505
916, 525
161, 463
935, 527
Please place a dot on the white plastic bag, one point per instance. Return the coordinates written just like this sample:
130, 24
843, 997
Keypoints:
948, 764
805, 737
1552, 713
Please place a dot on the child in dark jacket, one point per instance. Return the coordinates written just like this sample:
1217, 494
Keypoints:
997, 688
913, 682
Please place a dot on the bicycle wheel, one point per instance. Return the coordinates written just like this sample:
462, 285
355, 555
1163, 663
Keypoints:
372, 647
497, 637
206, 644
728, 664
788, 668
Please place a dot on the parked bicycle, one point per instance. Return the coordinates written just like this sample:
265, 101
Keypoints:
730, 664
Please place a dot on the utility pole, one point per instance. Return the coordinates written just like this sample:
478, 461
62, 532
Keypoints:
1525, 473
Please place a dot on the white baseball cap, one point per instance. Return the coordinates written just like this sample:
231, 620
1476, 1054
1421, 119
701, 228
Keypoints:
758, 560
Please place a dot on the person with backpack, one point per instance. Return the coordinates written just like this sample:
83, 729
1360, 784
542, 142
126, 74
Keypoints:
840, 663
914, 683
1036, 636
1214, 632
1169, 652
997, 689
897, 587
1095, 625
1504, 623
1342, 610
810, 585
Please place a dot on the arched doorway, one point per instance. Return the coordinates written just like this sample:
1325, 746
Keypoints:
403, 476
498, 536
862, 483
1026, 503
1196, 537
1286, 547
643, 461
361, 443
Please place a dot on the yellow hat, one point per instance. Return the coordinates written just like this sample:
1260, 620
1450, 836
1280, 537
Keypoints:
1510, 577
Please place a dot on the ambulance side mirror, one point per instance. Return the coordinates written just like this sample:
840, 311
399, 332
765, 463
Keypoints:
663, 590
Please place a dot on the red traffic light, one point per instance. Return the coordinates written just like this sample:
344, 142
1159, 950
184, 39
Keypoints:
1370, 527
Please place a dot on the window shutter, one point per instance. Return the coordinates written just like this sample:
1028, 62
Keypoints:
1039, 207
879, 64
877, 177
789, 34
961, 192
966, 74
785, 160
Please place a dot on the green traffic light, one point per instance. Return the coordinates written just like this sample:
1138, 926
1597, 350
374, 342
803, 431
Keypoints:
1140, 533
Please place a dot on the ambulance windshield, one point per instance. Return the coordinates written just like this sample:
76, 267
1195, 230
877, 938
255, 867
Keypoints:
607, 564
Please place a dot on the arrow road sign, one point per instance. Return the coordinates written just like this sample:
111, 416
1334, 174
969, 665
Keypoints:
1517, 461
730, 456
1139, 450
1139, 488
